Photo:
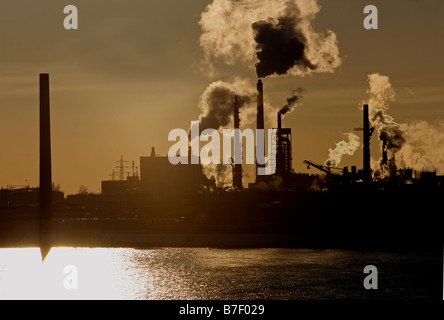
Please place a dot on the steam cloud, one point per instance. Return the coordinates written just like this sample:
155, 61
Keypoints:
424, 147
274, 36
217, 101
343, 147
418, 144
217, 108
381, 93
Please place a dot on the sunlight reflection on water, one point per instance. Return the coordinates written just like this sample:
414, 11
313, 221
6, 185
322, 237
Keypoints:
202, 273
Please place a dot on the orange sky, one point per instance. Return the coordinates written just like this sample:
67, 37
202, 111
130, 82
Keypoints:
129, 75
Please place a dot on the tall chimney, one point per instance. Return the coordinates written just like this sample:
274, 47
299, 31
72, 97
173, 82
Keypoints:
366, 155
279, 153
237, 176
260, 120
260, 105
45, 190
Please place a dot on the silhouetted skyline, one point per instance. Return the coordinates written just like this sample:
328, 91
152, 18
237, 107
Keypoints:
130, 74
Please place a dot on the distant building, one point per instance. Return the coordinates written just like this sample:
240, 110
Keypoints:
158, 177
115, 187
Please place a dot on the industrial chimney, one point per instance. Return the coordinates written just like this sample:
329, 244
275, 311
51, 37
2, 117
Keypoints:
367, 135
283, 149
260, 105
45, 189
260, 119
237, 173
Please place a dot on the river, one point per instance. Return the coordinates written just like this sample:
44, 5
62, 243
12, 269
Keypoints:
212, 273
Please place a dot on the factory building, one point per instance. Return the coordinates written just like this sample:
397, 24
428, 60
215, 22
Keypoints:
158, 177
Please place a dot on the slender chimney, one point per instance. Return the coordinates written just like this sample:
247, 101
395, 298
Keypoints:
237, 174
45, 190
260, 105
236, 113
366, 155
260, 118
279, 154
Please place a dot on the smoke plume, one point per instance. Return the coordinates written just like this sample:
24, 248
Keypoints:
424, 146
217, 109
292, 102
217, 101
380, 95
280, 46
418, 144
276, 37
343, 147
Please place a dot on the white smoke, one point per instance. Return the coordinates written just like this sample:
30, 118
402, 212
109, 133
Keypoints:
342, 148
380, 94
244, 31
217, 105
424, 147
418, 145
217, 112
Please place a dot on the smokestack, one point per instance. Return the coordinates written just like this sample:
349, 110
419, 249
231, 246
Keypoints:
260, 118
367, 135
260, 105
45, 190
236, 113
237, 174
279, 155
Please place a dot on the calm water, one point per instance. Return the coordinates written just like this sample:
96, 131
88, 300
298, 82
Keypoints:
205, 273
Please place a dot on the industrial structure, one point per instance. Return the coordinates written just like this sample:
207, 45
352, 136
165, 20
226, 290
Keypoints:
159, 178
237, 167
179, 202
45, 190
283, 150
260, 124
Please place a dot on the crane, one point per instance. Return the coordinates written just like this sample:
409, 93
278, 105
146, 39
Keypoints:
328, 170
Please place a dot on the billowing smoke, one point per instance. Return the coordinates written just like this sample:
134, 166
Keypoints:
217, 109
217, 101
418, 144
380, 95
220, 172
348, 146
424, 146
389, 131
292, 102
280, 46
276, 37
